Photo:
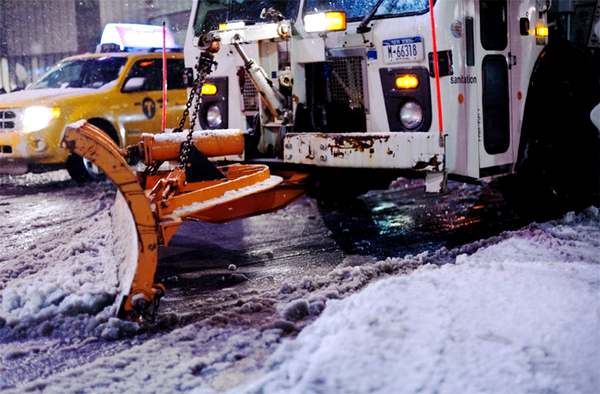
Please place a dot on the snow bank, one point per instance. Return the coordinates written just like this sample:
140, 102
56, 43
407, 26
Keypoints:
78, 269
521, 315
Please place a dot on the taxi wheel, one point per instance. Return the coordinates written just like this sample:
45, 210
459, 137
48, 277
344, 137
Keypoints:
82, 170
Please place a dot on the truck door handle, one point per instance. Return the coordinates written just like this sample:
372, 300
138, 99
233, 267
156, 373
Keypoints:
512, 60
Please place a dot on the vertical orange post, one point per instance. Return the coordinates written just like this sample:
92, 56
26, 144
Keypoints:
164, 72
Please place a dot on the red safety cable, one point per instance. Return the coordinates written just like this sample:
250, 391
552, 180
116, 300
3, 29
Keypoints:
436, 68
164, 72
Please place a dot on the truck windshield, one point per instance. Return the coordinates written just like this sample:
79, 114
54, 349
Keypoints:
82, 73
356, 10
211, 13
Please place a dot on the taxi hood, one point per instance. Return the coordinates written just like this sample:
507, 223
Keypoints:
24, 98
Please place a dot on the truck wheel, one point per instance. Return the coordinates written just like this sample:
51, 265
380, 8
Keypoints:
81, 169
558, 166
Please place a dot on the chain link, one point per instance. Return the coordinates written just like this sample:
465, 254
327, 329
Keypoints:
204, 67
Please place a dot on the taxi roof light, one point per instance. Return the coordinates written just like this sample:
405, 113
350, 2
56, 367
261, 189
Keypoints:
325, 21
209, 89
407, 81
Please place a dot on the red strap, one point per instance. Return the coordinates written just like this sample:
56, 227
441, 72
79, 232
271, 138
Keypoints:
164, 72
436, 68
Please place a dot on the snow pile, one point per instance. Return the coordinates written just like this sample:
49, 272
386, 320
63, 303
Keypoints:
31, 179
187, 359
79, 274
521, 315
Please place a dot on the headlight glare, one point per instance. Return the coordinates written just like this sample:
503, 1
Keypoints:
37, 117
214, 117
411, 115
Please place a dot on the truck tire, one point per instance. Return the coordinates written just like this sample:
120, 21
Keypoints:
82, 170
559, 153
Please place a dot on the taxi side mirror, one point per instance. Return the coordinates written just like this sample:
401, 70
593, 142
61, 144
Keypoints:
134, 84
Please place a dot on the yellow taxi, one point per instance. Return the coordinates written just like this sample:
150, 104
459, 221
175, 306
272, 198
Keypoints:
119, 92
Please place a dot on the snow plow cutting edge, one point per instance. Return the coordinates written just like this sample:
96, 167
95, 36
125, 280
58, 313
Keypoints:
160, 200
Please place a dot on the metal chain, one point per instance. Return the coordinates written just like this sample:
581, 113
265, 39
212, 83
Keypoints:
204, 67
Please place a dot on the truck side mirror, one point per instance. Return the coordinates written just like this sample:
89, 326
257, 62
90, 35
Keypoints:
134, 84
188, 77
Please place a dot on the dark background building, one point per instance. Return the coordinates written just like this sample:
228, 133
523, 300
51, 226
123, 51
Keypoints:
35, 34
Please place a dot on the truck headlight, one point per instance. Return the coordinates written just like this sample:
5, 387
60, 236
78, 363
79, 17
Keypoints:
36, 118
325, 21
214, 117
411, 115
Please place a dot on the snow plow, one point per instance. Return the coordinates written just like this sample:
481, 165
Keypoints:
153, 203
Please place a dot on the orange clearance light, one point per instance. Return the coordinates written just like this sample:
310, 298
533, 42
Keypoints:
407, 81
541, 31
209, 89
325, 21
336, 20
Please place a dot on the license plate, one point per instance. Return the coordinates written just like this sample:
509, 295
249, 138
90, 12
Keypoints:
400, 50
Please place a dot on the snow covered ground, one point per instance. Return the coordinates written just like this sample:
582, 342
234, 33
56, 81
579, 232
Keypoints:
518, 316
518, 312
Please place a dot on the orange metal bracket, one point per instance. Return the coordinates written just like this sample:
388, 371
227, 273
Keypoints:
247, 189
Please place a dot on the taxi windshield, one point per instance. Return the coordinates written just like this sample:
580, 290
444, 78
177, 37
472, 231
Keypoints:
82, 73
214, 12
356, 10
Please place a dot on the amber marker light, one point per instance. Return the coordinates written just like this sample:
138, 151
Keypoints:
325, 21
407, 81
541, 31
209, 89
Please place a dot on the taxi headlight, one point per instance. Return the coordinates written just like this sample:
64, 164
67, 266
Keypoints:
36, 118
214, 117
411, 115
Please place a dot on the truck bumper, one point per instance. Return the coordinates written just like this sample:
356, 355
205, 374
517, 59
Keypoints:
416, 151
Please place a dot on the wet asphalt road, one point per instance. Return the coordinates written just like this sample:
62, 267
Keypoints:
309, 239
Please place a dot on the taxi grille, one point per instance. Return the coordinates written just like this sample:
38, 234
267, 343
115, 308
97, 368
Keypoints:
7, 120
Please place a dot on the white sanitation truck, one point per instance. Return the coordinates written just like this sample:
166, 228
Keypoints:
467, 88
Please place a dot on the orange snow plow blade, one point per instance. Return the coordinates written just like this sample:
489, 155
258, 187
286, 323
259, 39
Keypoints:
158, 203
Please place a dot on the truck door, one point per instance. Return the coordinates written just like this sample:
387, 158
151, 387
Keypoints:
498, 19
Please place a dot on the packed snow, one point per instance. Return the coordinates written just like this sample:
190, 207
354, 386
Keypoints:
169, 136
521, 315
62, 258
516, 312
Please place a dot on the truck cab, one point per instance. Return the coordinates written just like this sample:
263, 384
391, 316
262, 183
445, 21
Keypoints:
374, 85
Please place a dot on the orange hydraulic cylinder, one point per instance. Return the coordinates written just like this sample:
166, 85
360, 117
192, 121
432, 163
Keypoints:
212, 143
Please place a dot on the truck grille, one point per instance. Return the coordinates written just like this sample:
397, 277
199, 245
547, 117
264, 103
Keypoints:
7, 120
249, 94
346, 82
